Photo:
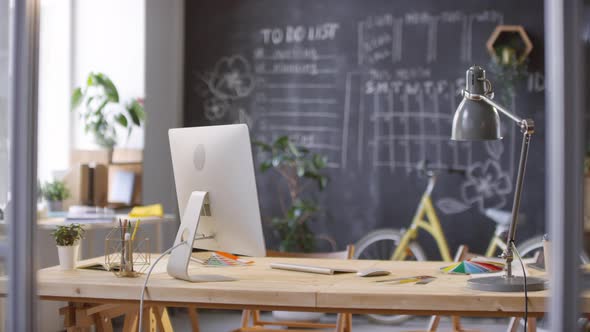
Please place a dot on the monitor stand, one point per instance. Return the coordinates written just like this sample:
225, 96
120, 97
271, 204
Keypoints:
181, 256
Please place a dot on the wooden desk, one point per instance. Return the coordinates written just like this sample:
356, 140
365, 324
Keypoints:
260, 287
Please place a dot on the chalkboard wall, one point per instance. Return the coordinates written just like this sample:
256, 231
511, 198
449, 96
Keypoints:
373, 86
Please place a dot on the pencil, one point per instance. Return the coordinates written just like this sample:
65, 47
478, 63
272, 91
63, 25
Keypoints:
135, 229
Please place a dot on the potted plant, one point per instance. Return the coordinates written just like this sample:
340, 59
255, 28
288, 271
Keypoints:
102, 112
509, 47
300, 169
67, 239
55, 193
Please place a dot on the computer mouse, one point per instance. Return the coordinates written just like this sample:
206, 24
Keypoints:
372, 272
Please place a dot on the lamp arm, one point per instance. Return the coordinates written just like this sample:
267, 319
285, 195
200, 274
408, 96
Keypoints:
508, 254
501, 109
528, 128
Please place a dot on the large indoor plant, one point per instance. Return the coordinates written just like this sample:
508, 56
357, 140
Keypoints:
301, 170
101, 112
67, 238
55, 193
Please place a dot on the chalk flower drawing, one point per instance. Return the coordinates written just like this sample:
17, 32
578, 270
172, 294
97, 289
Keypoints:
232, 78
486, 185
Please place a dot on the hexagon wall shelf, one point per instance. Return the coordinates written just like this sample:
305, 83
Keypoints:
523, 53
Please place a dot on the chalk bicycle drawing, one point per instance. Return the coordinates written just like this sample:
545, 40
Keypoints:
401, 244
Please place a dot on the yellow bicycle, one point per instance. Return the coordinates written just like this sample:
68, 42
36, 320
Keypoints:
394, 244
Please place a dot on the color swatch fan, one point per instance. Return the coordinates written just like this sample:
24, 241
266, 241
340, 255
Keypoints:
220, 258
473, 267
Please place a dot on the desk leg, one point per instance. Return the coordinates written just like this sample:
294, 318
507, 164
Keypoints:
344, 322
162, 319
531, 324
340, 323
514, 324
245, 318
103, 323
433, 325
78, 329
149, 320
131, 322
194, 317
159, 237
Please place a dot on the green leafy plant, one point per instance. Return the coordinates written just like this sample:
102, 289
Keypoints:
507, 67
509, 75
68, 235
101, 119
300, 169
55, 191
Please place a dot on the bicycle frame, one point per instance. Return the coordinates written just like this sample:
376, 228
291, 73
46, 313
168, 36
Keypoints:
495, 243
425, 218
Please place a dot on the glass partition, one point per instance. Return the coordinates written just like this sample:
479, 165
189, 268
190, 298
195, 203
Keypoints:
5, 12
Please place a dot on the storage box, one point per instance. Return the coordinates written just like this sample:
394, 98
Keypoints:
137, 169
126, 156
88, 185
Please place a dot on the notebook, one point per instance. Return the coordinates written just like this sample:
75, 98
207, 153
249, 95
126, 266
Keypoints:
310, 268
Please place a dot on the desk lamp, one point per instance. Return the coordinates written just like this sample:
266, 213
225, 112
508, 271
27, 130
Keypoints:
477, 119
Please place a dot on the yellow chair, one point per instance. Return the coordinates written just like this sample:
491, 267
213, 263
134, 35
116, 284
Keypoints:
343, 322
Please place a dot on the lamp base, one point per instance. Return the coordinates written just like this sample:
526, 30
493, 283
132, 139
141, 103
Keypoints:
505, 284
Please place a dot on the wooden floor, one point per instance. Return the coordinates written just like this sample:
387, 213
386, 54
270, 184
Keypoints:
222, 321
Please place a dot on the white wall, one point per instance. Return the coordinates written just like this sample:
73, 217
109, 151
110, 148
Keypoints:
109, 37
163, 103
78, 37
54, 88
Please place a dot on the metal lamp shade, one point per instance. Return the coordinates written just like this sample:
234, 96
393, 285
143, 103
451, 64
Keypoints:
475, 120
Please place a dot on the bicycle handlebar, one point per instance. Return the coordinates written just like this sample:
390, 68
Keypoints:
460, 171
423, 167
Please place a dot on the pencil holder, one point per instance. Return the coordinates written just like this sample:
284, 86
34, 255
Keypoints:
126, 256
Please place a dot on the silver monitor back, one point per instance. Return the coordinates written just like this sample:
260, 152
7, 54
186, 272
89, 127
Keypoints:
218, 160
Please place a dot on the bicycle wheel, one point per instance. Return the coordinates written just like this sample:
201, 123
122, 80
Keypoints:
530, 247
380, 245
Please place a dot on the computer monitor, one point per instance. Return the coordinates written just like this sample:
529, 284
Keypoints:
218, 160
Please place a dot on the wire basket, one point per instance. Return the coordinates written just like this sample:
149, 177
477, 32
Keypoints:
127, 258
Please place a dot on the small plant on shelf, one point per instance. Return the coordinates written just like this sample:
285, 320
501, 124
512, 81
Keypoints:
102, 113
55, 193
301, 170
